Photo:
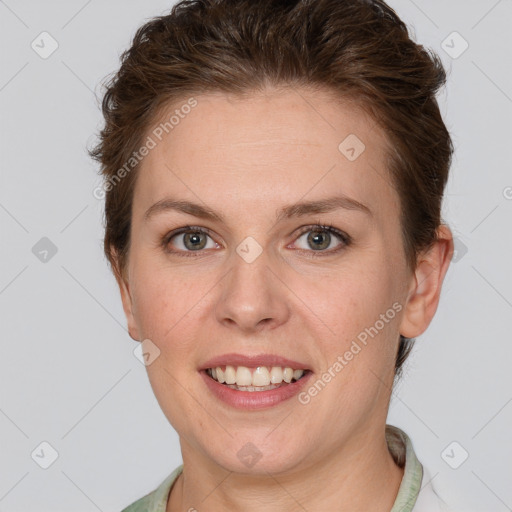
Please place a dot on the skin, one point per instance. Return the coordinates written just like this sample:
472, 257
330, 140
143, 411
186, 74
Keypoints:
246, 158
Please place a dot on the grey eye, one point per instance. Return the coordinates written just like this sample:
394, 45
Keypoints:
192, 240
318, 239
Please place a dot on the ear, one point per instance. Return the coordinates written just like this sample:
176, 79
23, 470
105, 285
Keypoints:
427, 280
126, 297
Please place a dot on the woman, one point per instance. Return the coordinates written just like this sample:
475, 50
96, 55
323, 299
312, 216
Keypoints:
274, 172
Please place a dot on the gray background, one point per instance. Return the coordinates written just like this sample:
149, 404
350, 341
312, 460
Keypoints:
68, 375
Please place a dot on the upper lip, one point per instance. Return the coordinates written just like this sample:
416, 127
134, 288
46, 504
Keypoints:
253, 361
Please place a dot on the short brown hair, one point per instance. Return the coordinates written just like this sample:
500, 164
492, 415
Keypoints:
358, 49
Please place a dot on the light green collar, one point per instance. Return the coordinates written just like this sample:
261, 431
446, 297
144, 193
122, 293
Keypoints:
401, 448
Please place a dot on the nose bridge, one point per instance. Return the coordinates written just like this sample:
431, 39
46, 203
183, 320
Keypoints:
251, 293
250, 264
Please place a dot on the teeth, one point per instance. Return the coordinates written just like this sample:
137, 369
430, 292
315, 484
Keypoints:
243, 377
230, 375
252, 388
276, 375
260, 377
297, 374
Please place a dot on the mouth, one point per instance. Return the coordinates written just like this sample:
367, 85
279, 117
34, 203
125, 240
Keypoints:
252, 382
254, 379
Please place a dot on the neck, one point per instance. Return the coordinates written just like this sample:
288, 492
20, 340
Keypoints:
348, 479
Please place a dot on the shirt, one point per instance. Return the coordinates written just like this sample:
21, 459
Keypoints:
415, 493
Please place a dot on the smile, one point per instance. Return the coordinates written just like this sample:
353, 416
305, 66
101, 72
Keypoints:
261, 378
243, 394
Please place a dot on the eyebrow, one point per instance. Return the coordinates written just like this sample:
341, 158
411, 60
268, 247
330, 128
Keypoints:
295, 210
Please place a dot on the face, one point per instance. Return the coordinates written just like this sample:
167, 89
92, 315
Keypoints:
324, 285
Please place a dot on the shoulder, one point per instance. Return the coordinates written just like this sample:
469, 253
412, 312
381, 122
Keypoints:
156, 500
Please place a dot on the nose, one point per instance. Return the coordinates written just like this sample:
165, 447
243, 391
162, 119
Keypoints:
253, 297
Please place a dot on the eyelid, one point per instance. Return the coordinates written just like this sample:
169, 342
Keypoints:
185, 229
319, 226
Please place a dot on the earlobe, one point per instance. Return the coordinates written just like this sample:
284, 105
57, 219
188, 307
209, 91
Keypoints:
426, 285
126, 298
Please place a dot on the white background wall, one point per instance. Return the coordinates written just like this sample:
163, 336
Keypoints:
67, 372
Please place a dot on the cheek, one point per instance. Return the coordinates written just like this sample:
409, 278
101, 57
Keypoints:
170, 306
351, 300
160, 301
362, 310
359, 357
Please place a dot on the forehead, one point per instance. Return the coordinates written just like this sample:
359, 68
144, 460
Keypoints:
265, 149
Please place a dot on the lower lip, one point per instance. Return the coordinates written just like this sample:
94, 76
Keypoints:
254, 399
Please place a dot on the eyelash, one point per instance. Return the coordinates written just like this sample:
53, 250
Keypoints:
343, 237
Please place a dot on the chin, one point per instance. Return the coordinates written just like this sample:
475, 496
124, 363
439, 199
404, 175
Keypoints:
262, 457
